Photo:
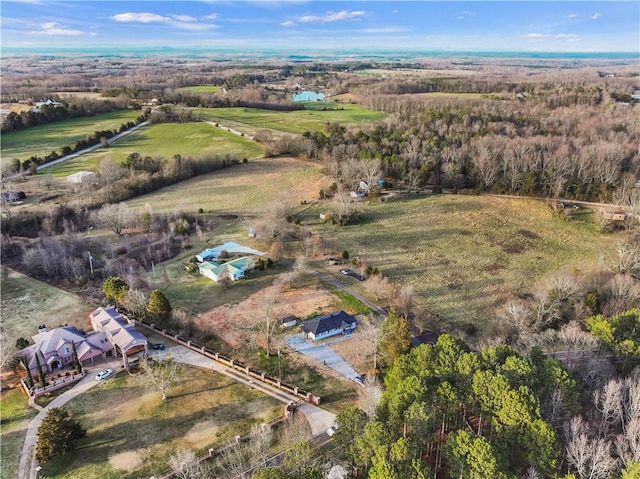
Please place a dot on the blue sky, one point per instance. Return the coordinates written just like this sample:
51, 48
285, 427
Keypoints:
580, 26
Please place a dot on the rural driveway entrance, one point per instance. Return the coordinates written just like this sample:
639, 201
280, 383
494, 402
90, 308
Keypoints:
323, 353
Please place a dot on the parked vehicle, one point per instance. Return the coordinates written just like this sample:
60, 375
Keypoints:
158, 346
352, 273
332, 430
104, 374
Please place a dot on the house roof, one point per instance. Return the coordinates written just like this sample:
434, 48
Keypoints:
229, 247
117, 328
328, 322
231, 266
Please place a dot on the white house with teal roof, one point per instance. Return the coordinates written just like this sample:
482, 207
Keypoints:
232, 270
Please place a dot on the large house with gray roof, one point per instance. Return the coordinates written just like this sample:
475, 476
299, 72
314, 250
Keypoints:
329, 325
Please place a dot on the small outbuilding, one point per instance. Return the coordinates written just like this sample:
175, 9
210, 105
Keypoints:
329, 325
81, 177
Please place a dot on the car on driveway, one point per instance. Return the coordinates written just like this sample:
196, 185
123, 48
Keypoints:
352, 273
332, 430
104, 374
359, 380
158, 346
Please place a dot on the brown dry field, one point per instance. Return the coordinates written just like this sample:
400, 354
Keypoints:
239, 324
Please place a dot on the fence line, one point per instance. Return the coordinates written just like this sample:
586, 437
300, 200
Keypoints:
232, 363
36, 392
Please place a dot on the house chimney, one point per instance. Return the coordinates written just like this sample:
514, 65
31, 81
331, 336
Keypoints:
42, 328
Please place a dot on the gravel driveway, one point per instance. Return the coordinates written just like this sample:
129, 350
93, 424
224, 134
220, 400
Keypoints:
323, 353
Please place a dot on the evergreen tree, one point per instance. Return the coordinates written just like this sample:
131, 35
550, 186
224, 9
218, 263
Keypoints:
159, 307
114, 288
43, 381
57, 434
28, 379
76, 362
396, 338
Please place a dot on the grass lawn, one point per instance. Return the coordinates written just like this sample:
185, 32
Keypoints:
131, 433
248, 120
203, 88
27, 303
16, 416
165, 140
42, 139
243, 188
464, 255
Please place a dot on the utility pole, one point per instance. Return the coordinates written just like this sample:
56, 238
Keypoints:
90, 262
279, 368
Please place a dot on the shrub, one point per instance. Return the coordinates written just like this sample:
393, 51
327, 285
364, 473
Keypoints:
345, 254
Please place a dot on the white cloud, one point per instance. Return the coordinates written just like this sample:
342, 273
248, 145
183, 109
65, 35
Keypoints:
94, 34
288, 24
536, 35
567, 35
211, 16
394, 11
331, 16
459, 17
183, 18
572, 15
53, 28
142, 17
596, 16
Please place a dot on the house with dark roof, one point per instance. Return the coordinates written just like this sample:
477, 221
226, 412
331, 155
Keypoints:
329, 325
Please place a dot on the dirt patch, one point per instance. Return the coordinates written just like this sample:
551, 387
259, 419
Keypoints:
356, 352
125, 461
512, 248
202, 432
240, 324
493, 268
528, 234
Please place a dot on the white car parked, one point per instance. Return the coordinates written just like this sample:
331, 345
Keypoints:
104, 374
332, 430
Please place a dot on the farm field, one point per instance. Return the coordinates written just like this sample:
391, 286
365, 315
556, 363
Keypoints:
27, 303
465, 255
131, 433
240, 189
42, 139
249, 120
165, 140
203, 88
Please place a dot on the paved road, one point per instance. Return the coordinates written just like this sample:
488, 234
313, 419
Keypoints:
323, 353
318, 418
27, 459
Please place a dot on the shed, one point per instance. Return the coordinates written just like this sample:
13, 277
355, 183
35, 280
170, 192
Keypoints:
289, 321
81, 177
329, 325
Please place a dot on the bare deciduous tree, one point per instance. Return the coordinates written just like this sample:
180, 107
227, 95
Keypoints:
591, 458
344, 206
115, 216
135, 300
160, 375
185, 465
377, 286
240, 456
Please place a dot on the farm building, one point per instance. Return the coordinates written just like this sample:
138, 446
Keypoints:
232, 270
329, 325
81, 177
125, 340
54, 350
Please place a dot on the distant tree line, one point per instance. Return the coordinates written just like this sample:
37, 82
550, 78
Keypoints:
50, 113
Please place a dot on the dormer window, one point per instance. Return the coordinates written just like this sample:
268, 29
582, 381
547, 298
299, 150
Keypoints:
65, 350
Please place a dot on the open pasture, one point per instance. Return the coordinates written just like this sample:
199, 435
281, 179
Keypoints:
16, 416
131, 433
42, 139
249, 120
165, 140
240, 189
465, 255
27, 303
202, 88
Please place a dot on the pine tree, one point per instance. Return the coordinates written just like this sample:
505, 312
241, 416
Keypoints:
57, 434
159, 307
28, 379
114, 288
41, 378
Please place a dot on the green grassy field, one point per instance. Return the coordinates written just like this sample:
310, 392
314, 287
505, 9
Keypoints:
465, 255
42, 139
131, 433
243, 188
165, 140
203, 88
16, 416
249, 120
27, 303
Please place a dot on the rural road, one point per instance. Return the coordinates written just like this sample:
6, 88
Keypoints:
370, 304
230, 130
27, 458
93, 148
